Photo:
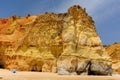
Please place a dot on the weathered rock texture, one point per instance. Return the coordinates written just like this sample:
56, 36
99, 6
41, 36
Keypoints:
82, 48
114, 51
66, 43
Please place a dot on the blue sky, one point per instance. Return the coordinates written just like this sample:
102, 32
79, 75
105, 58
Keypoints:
106, 13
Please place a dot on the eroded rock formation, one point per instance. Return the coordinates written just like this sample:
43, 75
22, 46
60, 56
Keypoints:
114, 51
66, 43
82, 48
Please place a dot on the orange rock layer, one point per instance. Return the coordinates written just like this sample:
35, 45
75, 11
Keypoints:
114, 51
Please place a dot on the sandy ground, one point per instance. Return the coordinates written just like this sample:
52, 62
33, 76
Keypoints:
22, 75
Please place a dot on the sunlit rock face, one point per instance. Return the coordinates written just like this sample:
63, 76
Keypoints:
66, 43
83, 53
114, 52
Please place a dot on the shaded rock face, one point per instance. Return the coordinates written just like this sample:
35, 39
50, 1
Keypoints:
64, 43
114, 52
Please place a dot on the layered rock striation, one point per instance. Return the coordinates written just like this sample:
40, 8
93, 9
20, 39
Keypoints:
66, 43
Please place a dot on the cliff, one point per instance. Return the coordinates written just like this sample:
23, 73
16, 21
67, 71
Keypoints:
66, 43
114, 52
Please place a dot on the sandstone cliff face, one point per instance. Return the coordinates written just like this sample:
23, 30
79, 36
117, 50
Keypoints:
114, 52
82, 48
64, 43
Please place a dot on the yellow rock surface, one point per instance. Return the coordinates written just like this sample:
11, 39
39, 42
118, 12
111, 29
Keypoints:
46, 42
114, 52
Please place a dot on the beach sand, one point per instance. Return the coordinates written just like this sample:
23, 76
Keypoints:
24, 75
